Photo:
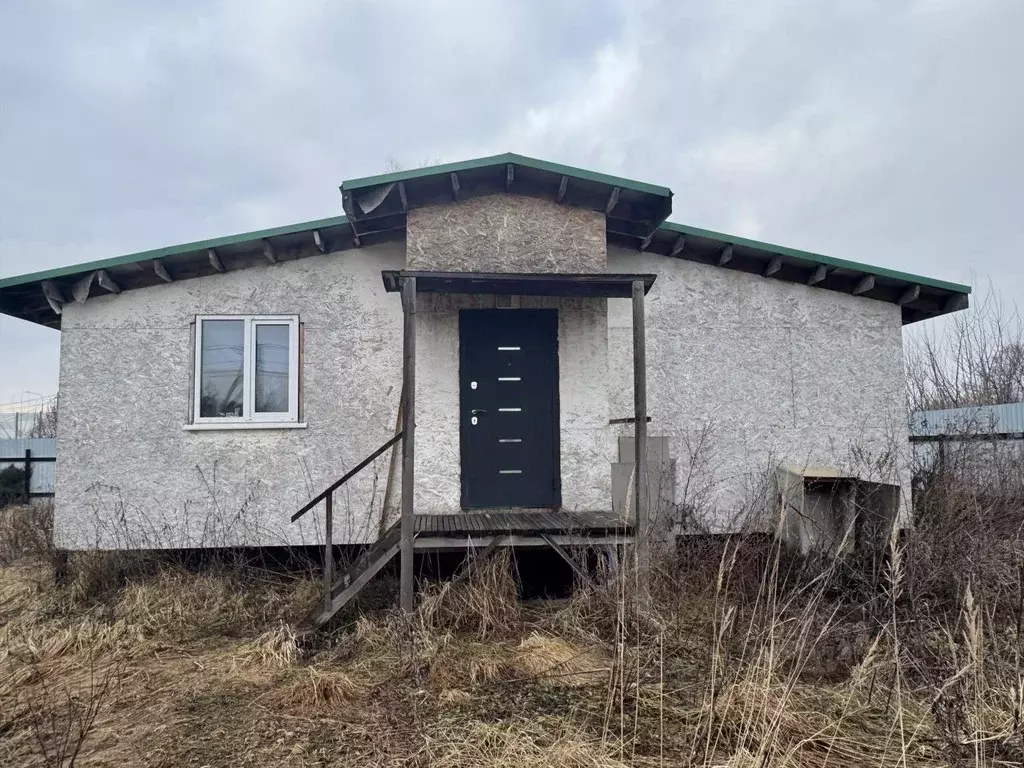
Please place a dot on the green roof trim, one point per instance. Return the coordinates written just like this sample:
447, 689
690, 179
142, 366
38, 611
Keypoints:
504, 159
171, 250
816, 258
644, 206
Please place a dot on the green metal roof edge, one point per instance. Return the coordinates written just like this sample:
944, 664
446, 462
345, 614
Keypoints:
334, 221
171, 250
816, 258
507, 157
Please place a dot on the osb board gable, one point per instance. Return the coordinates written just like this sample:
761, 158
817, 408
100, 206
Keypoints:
505, 233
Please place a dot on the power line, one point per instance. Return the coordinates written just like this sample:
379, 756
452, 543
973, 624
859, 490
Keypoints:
31, 404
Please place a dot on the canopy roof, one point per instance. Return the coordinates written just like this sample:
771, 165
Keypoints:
376, 209
608, 285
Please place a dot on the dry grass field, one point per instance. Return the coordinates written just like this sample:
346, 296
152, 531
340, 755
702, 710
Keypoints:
738, 657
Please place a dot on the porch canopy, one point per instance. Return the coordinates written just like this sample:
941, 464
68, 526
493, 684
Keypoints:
411, 283
607, 285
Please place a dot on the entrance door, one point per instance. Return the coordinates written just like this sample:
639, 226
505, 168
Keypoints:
508, 380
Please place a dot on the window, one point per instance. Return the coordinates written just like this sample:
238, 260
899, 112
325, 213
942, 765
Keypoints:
247, 370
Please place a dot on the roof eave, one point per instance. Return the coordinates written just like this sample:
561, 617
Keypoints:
377, 209
505, 159
24, 296
919, 297
626, 203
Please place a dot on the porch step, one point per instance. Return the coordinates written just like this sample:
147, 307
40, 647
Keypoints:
350, 583
392, 536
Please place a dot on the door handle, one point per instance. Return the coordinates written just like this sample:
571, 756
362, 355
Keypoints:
477, 411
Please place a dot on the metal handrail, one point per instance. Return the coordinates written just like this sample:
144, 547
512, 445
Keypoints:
328, 498
348, 476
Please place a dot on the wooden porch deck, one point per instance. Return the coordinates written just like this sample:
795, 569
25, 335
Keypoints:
520, 529
540, 521
482, 532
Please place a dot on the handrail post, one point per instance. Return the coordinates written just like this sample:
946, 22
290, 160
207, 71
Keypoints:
329, 551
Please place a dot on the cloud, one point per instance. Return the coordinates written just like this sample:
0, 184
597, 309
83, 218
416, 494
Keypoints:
876, 130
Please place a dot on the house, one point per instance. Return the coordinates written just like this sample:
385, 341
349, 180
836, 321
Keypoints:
551, 325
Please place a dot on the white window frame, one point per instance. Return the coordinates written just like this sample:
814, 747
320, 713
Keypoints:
250, 418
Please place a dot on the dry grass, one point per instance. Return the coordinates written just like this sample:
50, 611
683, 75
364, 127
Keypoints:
313, 690
525, 741
161, 666
25, 532
276, 648
486, 605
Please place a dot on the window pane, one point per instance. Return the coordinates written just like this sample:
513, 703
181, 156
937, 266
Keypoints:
222, 359
272, 356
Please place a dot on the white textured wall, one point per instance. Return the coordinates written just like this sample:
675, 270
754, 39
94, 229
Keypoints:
769, 371
129, 474
505, 233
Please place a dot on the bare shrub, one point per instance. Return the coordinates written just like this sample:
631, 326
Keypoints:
45, 424
968, 523
60, 718
975, 357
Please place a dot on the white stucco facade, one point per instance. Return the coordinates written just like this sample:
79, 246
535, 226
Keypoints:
766, 371
745, 373
130, 475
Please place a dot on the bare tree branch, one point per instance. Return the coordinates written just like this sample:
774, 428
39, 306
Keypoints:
977, 358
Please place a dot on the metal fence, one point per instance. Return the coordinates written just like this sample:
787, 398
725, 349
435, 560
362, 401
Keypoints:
980, 421
39, 454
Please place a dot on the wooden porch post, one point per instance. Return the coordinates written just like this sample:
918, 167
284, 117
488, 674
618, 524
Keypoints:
328, 550
642, 522
408, 439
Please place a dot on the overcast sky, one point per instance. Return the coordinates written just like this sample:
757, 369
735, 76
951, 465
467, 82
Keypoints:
882, 131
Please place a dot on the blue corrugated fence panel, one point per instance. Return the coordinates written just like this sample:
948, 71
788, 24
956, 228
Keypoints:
974, 420
44, 474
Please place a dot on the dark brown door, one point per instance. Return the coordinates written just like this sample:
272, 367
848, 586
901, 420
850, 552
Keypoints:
508, 380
